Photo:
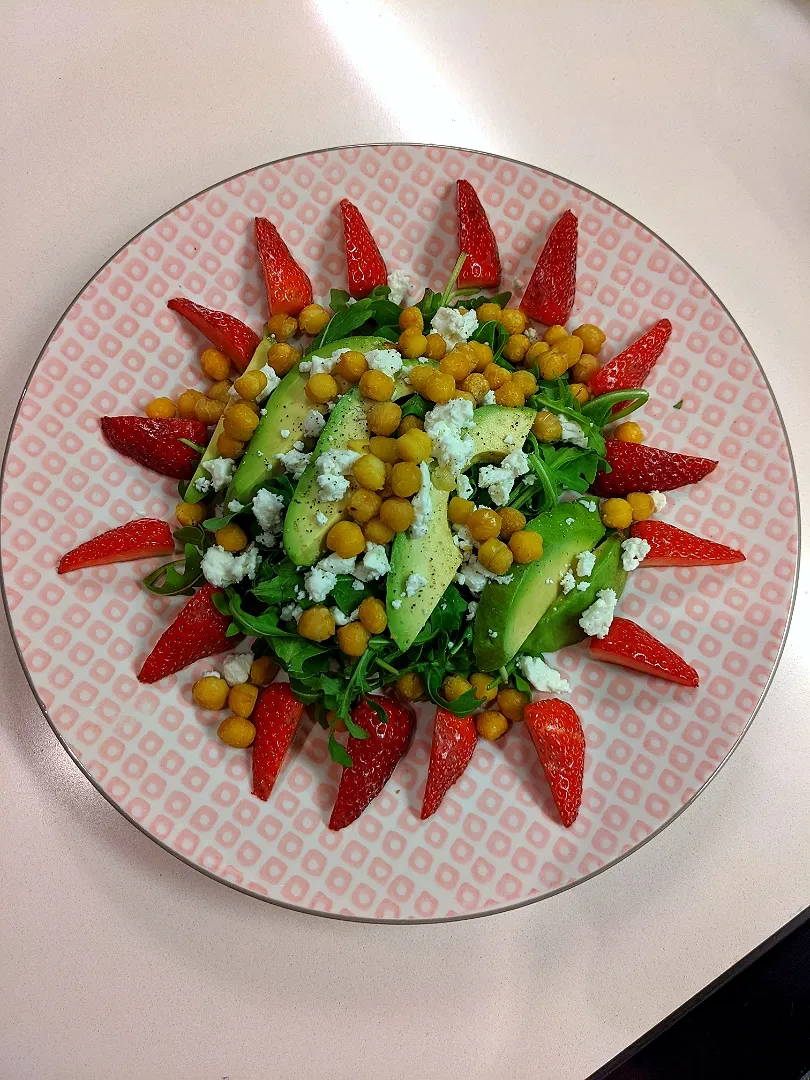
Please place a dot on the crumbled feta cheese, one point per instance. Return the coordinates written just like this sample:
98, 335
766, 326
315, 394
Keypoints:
399, 286
374, 565
235, 507
586, 560
358, 586
211, 675
268, 509
572, 432
202, 484
634, 552
331, 469
453, 326
321, 518
236, 668
333, 564
567, 582
294, 462
488, 398
388, 361
298, 445
321, 365
589, 504
221, 568
659, 500
509, 440
472, 575
266, 539
285, 433
549, 581
464, 487
582, 586
319, 583
463, 540
291, 612
396, 604
341, 619
543, 678
220, 469
472, 607
313, 424
447, 426
414, 583
531, 334
272, 382
422, 505
596, 619
569, 521
500, 479
492, 634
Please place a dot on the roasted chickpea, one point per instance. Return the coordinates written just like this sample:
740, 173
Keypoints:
346, 539
485, 687
477, 385
410, 423
510, 395
384, 417
353, 639
376, 385
215, 365
552, 364
511, 521
459, 510
385, 449
516, 347
435, 347
210, 692
372, 615
482, 354
495, 556
512, 703
377, 532
616, 513
410, 687
281, 326
228, 447
491, 725
161, 408
316, 623
415, 445
191, 513
231, 537
411, 318
358, 446
313, 318
321, 388
239, 422
483, 524
641, 504
488, 312
592, 338
250, 385
369, 472
187, 404
363, 505
585, 368
282, 357
526, 546
236, 731
453, 686
553, 334
534, 352
397, 514
419, 375
440, 387
406, 479
263, 670
526, 381
456, 364
580, 392
208, 411
351, 366
386, 491
546, 427
629, 432
513, 321
571, 348
496, 376
242, 699
412, 343
221, 391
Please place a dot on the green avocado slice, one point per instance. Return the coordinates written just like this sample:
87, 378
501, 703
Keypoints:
560, 624
507, 613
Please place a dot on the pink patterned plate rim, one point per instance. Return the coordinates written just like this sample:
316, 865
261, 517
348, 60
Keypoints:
495, 844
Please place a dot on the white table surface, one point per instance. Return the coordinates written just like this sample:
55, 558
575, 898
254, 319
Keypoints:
115, 959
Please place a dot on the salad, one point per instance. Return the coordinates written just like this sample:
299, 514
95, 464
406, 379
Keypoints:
412, 496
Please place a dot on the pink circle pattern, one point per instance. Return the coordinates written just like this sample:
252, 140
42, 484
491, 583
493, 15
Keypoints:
496, 840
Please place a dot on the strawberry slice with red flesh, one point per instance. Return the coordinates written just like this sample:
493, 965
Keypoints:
637, 467
364, 263
275, 718
224, 331
156, 443
670, 546
630, 368
558, 738
288, 287
198, 631
631, 646
373, 759
550, 294
454, 739
482, 267
138, 539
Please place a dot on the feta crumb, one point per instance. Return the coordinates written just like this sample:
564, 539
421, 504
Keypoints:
569, 521
319, 583
414, 583
210, 675
659, 500
586, 560
399, 286
422, 504
291, 612
572, 432
463, 540
634, 552
542, 677
221, 568
596, 619
298, 445
500, 479
447, 426
313, 424
294, 462
203, 485
331, 469
582, 586
388, 361
374, 565
333, 564
266, 539
472, 575
321, 365
236, 667
567, 582
272, 382
220, 469
472, 607
357, 586
285, 433
488, 398
509, 440
396, 604
235, 507
492, 634
268, 509
341, 619
549, 581
464, 487
531, 334
589, 504
321, 518
453, 326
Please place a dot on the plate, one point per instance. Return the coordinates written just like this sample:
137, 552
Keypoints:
496, 841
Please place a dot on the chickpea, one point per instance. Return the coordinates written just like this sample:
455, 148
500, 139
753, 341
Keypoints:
485, 686
512, 703
591, 336
513, 321
263, 670
161, 408
242, 699
351, 366
377, 532
282, 357
453, 686
397, 514
406, 479
482, 354
411, 318
412, 343
495, 556
210, 692
483, 524
616, 513
369, 472
231, 537
466, 395
372, 615
313, 318
477, 385
410, 423
384, 417
526, 381
456, 364
419, 375
357, 446
535, 351
629, 432
571, 349
489, 312
353, 639
187, 404
511, 522
585, 368
415, 445
376, 385
236, 731
208, 411
316, 623
496, 376
491, 725
281, 326
516, 348
526, 546
386, 491
363, 505
321, 388
228, 447
554, 334
410, 687
459, 510
250, 385
221, 391
239, 422
215, 365
546, 427
435, 347
580, 392
641, 504
510, 395
440, 387
346, 539
252, 406
191, 513
384, 448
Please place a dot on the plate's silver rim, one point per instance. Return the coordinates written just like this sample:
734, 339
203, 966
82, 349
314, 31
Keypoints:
363, 918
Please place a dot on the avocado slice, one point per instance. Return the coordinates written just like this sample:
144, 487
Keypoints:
435, 557
285, 410
560, 624
507, 613
498, 431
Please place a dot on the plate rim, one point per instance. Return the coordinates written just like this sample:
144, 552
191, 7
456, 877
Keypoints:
339, 916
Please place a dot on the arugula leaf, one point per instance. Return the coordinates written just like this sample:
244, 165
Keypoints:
342, 324
376, 708
600, 410
355, 730
415, 406
501, 299
264, 625
191, 534
214, 524
462, 706
557, 398
429, 305
390, 333
451, 284
192, 445
493, 334
346, 597
677, 405
338, 299
559, 469
281, 588
169, 580
221, 603
338, 752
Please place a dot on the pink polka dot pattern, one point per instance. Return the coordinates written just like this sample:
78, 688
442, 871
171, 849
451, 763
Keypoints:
495, 840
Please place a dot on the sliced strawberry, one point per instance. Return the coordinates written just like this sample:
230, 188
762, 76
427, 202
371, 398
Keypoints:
482, 268
373, 759
197, 632
675, 547
275, 717
630, 368
364, 263
553, 285
288, 287
631, 646
156, 443
558, 738
136, 540
637, 467
225, 331
454, 739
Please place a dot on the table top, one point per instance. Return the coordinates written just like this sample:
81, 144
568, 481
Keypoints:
134, 965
